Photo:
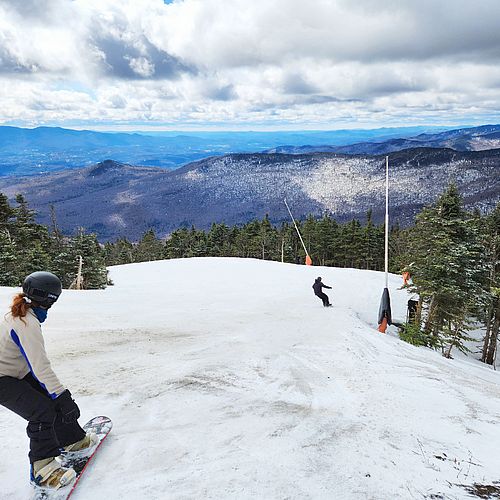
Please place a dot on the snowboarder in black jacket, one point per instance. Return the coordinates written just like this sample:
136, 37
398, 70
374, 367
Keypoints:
317, 287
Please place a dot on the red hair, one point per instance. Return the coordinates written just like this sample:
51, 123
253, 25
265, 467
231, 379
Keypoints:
19, 307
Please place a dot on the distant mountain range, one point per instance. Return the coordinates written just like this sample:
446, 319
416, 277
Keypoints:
115, 199
44, 149
465, 139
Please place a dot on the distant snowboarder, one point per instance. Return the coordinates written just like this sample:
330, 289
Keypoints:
30, 388
317, 287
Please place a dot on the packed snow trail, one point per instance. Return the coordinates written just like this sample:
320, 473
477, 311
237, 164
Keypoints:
226, 378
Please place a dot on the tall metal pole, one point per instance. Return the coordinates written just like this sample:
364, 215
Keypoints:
387, 222
384, 311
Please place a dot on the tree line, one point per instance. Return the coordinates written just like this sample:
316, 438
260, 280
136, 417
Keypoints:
26, 246
453, 257
328, 242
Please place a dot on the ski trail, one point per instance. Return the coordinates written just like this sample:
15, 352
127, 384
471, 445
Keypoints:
226, 378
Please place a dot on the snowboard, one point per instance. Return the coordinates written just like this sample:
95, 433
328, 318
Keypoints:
78, 460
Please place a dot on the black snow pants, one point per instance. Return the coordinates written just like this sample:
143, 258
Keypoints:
324, 297
46, 430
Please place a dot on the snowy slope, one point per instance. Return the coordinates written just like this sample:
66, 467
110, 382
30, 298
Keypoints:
227, 379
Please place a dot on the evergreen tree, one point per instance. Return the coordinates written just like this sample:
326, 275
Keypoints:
9, 275
287, 237
324, 247
8, 256
352, 244
118, 253
94, 271
491, 311
240, 247
56, 235
25, 228
31, 240
400, 252
149, 248
178, 244
6, 213
199, 242
218, 240
447, 271
268, 239
251, 236
369, 243
26, 246
64, 263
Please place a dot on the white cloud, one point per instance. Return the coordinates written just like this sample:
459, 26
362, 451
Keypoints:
320, 62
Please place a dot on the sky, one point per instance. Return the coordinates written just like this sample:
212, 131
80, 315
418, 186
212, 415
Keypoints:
249, 65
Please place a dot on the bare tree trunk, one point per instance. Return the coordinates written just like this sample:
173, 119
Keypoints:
55, 227
430, 317
78, 281
447, 353
418, 315
487, 335
493, 339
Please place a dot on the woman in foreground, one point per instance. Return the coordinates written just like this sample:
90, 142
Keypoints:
30, 388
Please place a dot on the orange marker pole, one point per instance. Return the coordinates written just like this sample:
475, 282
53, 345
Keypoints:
383, 326
308, 257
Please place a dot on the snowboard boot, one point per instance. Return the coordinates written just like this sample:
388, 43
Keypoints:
48, 473
89, 441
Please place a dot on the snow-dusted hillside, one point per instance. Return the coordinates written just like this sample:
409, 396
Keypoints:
115, 200
227, 379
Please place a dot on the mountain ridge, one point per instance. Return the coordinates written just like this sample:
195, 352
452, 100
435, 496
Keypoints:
43, 149
116, 199
479, 138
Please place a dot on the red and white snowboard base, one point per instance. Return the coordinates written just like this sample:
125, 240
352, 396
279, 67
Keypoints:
101, 426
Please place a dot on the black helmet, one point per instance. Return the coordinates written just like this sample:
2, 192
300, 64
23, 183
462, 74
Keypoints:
318, 278
42, 287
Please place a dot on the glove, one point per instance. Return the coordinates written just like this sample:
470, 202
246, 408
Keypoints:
67, 408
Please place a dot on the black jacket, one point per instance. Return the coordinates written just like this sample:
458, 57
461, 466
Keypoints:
318, 285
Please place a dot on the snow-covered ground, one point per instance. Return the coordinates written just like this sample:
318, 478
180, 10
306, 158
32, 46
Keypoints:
227, 379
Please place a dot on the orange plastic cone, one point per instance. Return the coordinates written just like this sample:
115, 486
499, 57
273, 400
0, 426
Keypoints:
309, 261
